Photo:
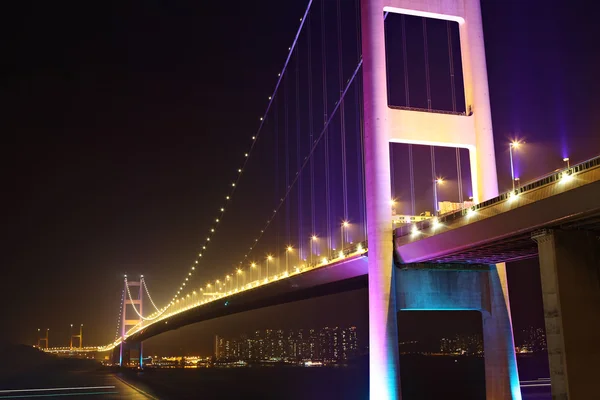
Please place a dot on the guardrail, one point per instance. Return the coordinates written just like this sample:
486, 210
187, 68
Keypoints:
529, 186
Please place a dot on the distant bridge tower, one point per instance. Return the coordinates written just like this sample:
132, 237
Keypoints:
80, 336
383, 125
137, 304
43, 339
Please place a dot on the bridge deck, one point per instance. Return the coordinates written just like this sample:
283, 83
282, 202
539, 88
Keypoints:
499, 229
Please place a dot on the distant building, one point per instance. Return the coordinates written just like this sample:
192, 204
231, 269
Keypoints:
326, 345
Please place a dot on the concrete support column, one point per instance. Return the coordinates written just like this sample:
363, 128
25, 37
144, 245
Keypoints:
481, 289
501, 374
383, 330
570, 276
141, 360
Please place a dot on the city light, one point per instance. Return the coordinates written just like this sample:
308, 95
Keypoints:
436, 223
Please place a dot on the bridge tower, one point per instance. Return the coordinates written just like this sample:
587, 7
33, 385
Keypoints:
126, 322
80, 336
383, 125
43, 339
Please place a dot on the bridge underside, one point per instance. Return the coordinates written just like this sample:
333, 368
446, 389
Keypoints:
346, 275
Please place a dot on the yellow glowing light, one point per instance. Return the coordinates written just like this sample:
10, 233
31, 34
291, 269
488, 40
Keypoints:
341, 254
359, 248
436, 223
345, 224
515, 144
471, 212
566, 178
253, 265
222, 209
314, 237
414, 230
269, 257
439, 181
324, 260
289, 248
392, 202
193, 267
239, 271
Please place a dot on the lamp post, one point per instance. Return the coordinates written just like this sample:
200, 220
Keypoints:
437, 182
237, 284
566, 159
313, 239
253, 266
345, 224
513, 145
269, 258
288, 250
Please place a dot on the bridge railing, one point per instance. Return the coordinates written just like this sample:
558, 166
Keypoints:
527, 187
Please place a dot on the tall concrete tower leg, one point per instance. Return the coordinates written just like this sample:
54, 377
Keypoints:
477, 98
384, 380
501, 374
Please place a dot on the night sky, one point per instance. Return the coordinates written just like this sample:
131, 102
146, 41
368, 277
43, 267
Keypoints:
123, 122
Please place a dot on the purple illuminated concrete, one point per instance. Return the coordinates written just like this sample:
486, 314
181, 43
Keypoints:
384, 382
383, 125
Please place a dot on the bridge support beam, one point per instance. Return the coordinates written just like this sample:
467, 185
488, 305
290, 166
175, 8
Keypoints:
481, 290
570, 276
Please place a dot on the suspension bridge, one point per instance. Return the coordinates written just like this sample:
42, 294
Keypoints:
379, 116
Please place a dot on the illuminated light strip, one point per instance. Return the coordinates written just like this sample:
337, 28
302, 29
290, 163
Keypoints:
51, 389
533, 385
29, 396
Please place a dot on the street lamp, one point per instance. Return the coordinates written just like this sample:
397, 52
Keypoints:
313, 239
513, 145
288, 250
253, 266
437, 182
237, 284
345, 224
269, 258
566, 159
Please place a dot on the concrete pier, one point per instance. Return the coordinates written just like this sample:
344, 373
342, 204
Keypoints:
570, 276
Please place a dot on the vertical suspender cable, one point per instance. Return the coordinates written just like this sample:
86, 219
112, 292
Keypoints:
324, 79
428, 89
311, 137
300, 221
453, 90
342, 115
387, 70
426, 54
359, 129
276, 194
287, 157
407, 99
